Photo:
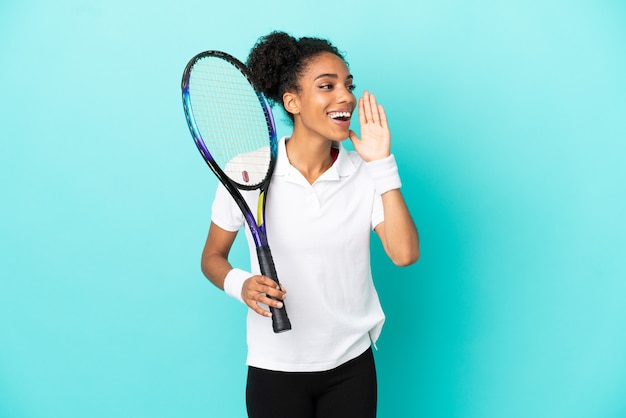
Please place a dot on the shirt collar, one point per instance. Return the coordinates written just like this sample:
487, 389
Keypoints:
342, 167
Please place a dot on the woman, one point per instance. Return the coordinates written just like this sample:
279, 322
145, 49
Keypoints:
321, 207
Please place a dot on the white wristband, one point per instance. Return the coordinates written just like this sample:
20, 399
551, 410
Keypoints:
384, 173
233, 283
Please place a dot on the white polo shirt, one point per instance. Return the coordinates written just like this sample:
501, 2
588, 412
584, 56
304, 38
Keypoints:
319, 236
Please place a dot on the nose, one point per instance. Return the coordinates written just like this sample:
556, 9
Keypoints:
345, 95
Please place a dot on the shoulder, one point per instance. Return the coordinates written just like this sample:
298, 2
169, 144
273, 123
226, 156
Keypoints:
349, 162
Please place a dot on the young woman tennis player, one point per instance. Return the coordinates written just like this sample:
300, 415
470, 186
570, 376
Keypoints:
321, 207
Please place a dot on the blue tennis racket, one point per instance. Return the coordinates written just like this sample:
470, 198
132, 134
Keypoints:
233, 128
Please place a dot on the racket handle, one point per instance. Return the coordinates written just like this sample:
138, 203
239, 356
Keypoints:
280, 320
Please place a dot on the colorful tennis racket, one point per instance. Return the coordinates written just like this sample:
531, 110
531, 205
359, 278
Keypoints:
233, 128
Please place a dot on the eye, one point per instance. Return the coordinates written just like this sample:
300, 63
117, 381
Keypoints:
351, 87
326, 86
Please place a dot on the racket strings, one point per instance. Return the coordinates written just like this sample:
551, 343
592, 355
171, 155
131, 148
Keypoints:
230, 119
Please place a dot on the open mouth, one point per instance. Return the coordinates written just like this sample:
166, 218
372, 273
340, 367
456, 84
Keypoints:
342, 116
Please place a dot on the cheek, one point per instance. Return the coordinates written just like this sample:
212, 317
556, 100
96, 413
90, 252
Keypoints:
315, 106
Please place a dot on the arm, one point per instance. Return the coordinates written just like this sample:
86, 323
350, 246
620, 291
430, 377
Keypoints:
217, 269
397, 232
214, 263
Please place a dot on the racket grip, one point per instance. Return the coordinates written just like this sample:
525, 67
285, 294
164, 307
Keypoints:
280, 320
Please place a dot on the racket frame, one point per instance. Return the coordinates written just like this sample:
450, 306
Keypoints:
280, 321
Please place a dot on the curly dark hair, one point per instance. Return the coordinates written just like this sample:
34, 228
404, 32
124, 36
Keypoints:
277, 61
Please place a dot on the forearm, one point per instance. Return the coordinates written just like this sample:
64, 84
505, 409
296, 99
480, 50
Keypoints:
398, 233
214, 263
215, 268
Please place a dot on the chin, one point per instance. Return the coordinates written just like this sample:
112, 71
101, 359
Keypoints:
341, 136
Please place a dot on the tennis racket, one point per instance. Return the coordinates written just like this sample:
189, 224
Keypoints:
233, 128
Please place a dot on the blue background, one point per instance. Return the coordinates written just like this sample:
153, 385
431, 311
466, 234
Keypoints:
509, 125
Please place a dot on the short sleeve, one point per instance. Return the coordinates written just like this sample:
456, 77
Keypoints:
224, 212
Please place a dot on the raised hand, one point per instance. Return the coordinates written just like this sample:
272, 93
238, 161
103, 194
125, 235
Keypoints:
375, 141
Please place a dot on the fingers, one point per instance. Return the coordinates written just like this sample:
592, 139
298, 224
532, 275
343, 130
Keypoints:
370, 111
375, 139
262, 290
382, 116
362, 115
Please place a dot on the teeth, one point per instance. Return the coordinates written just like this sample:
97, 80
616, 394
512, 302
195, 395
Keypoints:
337, 115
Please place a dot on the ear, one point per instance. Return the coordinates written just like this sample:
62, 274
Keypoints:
291, 103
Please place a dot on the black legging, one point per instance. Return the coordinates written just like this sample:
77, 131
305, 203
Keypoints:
346, 391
